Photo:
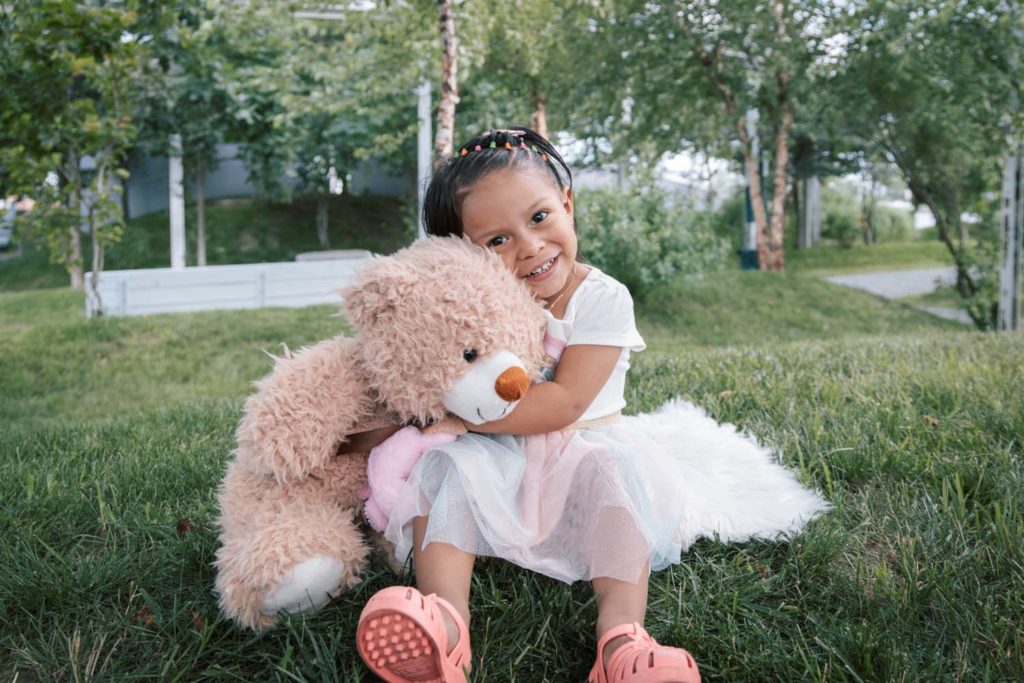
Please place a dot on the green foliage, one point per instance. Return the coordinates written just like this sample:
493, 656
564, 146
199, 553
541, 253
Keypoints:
641, 239
728, 222
69, 77
893, 225
841, 227
934, 90
843, 216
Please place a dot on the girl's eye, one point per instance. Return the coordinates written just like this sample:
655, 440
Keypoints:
539, 216
497, 241
469, 355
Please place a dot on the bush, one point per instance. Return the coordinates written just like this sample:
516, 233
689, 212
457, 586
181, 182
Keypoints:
641, 239
893, 225
730, 218
842, 227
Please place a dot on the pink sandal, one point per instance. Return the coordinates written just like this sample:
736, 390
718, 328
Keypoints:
402, 638
642, 660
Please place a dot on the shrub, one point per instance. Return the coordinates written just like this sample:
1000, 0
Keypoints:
893, 225
641, 239
842, 227
729, 220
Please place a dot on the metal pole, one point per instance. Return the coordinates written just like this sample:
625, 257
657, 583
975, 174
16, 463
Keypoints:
424, 140
176, 202
748, 250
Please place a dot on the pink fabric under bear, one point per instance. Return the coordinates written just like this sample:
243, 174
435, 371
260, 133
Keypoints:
388, 469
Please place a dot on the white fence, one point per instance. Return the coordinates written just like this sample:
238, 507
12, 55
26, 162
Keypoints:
250, 285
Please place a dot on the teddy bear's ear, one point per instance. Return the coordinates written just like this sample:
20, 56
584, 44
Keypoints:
380, 288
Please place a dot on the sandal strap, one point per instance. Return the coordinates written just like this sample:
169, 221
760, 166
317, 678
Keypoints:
634, 631
454, 663
641, 653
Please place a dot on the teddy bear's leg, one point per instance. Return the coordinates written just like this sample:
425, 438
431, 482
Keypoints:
306, 588
282, 550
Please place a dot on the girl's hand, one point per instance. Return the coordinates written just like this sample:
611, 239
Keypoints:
450, 425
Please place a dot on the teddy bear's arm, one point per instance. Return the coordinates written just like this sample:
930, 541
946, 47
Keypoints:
303, 411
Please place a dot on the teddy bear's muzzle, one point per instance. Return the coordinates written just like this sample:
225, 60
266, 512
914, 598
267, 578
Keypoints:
489, 389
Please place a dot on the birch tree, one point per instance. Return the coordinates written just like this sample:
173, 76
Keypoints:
444, 138
690, 71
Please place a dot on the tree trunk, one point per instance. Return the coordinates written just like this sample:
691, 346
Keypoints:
200, 214
867, 211
946, 223
322, 208
75, 266
776, 259
539, 119
444, 143
97, 264
753, 173
97, 245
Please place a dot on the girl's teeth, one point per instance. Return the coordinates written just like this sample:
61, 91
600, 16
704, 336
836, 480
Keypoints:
542, 269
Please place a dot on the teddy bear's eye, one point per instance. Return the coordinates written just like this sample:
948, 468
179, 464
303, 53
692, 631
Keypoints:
469, 355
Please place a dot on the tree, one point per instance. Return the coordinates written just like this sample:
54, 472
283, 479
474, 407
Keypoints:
444, 137
933, 92
68, 74
687, 73
525, 68
316, 96
183, 94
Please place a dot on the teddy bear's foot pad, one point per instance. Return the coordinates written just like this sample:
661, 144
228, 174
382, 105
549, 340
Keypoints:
306, 588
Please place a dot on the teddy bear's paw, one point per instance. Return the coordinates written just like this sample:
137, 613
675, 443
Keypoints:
306, 588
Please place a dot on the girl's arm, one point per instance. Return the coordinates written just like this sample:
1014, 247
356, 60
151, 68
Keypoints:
551, 406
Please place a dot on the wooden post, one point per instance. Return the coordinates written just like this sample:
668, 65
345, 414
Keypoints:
1012, 229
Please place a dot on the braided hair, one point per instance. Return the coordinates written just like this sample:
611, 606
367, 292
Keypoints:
517, 147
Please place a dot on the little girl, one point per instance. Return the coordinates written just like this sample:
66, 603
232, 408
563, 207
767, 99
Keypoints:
579, 493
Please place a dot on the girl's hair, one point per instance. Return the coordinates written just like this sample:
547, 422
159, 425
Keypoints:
518, 147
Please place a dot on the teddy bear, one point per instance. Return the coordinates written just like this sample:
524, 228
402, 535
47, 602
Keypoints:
440, 326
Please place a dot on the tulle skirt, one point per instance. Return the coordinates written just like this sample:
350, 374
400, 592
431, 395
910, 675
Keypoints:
614, 500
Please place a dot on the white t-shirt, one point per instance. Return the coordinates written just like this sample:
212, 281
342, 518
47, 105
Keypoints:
599, 313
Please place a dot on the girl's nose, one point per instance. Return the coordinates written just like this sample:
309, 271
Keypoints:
531, 245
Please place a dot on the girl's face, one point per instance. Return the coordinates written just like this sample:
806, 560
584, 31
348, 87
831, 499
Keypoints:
523, 216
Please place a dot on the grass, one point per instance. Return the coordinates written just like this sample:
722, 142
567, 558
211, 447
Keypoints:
829, 259
744, 307
115, 432
238, 231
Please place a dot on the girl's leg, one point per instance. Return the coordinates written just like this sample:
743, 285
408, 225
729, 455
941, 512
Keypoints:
619, 602
445, 570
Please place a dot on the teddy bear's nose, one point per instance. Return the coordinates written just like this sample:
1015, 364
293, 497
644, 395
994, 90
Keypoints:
512, 384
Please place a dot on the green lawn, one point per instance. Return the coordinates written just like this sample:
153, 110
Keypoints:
829, 259
115, 431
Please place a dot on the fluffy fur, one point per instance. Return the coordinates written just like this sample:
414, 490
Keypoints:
287, 497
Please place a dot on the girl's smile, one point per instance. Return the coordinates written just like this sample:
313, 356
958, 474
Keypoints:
523, 216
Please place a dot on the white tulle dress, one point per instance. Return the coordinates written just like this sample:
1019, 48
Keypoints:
615, 496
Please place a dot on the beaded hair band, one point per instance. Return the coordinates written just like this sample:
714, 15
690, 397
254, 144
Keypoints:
508, 145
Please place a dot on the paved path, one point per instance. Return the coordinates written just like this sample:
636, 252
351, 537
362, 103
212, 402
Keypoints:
896, 284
